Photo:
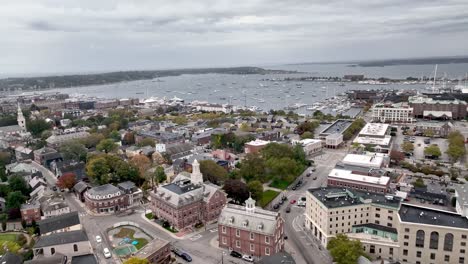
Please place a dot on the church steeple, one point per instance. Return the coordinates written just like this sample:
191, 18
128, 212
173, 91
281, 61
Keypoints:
21, 120
196, 177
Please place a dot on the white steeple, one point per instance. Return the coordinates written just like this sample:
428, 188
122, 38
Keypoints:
250, 205
21, 120
196, 177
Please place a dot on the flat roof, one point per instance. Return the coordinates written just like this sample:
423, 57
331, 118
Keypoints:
385, 141
258, 142
374, 130
371, 161
429, 216
333, 197
308, 141
151, 247
349, 175
339, 126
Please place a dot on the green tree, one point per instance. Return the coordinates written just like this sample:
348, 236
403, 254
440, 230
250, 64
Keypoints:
146, 142
344, 250
253, 167
419, 183
106, 145
115, 135
37, 126
456, 146
3, 175
283, 168
135, 260
256, 190
73, 150
92, 140
14, 200
9, 246
307, 126
98, 170
433, 151
307, 134
407, 147
275, 150
17, 183
429, 132
212, 172
160, 175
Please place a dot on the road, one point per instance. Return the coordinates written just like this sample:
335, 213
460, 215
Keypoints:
304, 247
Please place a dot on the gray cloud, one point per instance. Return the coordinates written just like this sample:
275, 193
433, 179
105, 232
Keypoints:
125, 34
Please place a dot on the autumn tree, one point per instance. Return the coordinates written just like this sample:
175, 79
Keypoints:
147, 142
397, 156
67, 180
128, 138
142, 163
407, 147
106, 145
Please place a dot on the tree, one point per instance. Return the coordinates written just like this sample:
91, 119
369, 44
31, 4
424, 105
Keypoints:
283, 168
142, 163
9, 246
146, 142
236, 190
256, 190
429, 132
307, 126
253, 167
307, 134
98, 170
92, 140
106, 145
244, 127
456, 146
419, 183
115, 135
212, 172
37, 126
17, 183
135, 260
397, 156
432, 151
67, 180
73, 150
407, 147
13, 203
345, 251
275, 150
3, 175
5, 157
157, 158
160, 175
128, 138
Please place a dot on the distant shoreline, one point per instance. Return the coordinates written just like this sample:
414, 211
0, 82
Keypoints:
395, 62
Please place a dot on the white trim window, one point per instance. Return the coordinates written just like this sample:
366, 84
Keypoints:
267, 240
267, 251
224, 240
237, 232
252, 247
251, 236
238, 244
223, 229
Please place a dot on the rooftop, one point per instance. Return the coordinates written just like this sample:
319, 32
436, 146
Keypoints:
308, 141
374, 130
350, 176
151, 247
371, 161
103, 190
385, 141
58, 222
339, 126
279, 258
181, 186
61, 238
333, 197
127, 185
258, 142
428, 100
429, 216
84, 259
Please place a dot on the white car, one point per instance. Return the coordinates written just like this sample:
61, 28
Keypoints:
98, 239
107, 253
248, 258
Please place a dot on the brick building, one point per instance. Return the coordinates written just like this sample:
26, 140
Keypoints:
30, 212
250, 230
157, 251
431, 108
188, 201
255, 146
108, 198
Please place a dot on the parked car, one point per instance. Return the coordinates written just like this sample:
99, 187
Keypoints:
285, 237
314, 178
236, 254
293, 201
98, 239
313, 169
248, 258
294, 188
182, 254
107, 253
276, 206
284, 198
288, 209
308, 174
427, 141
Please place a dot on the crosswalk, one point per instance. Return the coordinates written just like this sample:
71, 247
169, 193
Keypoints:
195, 237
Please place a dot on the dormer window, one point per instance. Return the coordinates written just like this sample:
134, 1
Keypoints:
260, 226
245, 223
231, 220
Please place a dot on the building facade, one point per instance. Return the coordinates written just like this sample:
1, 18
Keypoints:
188, 201
105, 199
392, 113
157, 251
425, 107
311, 146
30, 212
250, 230
255, 146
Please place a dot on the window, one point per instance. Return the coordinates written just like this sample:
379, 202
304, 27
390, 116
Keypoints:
434, 241
391, 251
224, 240
237, 233
406, 237
461, 260
377, 215
390, 218
432, 255
420, 238
418, 254
405, 252
448, 242
267, 240
251, 236
463, 244
267, 251
238, 243
389, 224
223, 229
52, 251
377, 222
252, 247
447, 258
406, 230
463, 236
405, 244
462, 251
377, 209
372, 249
75, 247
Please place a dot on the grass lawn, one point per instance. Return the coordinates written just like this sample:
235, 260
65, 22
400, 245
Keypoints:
125, 232
141, 242
8, 237
267, 197
149, 216
280, 184
172, 230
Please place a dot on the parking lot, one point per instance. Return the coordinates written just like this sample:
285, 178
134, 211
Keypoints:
419, 145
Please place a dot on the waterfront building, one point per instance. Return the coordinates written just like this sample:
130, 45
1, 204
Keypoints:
432, 108
250, 230
392, 113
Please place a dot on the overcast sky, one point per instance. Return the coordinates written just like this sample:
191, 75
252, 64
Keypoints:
39, 36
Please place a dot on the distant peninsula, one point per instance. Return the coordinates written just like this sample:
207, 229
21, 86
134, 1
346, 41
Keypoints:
37, 83
416, 61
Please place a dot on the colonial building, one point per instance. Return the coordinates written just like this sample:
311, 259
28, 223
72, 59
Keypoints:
432, 108
250, 230
69, 244
30, 212
108, 198
62, 223
188, 201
